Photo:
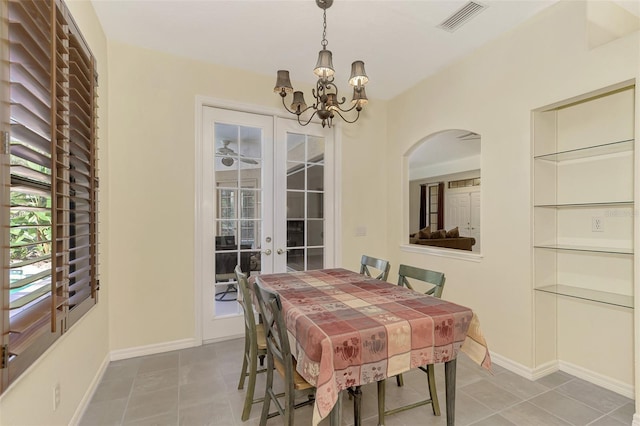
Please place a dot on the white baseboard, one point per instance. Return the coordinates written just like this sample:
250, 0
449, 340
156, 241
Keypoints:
153, 349
613, 385
545, 369
86, 399
522, 370
636, 420
222, 339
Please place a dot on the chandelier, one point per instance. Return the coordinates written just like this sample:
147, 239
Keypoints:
326, 103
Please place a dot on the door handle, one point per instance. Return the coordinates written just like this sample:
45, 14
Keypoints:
267, 252
279, 251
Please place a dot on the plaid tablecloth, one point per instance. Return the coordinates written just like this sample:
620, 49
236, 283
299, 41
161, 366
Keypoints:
347, 330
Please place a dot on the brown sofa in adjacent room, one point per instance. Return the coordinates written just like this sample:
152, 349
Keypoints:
442, 238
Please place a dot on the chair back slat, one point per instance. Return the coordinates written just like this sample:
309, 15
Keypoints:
371, 262
274, 327
245, 300
437, 279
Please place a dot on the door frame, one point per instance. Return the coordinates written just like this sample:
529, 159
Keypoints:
333, 168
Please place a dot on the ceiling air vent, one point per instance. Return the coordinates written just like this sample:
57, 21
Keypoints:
461, 16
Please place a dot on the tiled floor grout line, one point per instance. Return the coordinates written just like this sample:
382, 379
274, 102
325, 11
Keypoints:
555, 415
595, 420
604, 414
180, 367
126, 405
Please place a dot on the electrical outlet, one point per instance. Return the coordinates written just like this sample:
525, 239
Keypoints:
56, 396
597, 224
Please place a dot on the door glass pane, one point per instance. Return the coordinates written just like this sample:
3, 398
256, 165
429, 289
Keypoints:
314, 205
250, 204
296, 147
315, 258
295, 204
315, 233
295, 260
250, 172
315, 178
295, 175
250, 143
305, 201
315, 149
295, 233
238, 174
227, 204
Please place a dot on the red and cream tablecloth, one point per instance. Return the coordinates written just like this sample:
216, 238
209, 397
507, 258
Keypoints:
347, 330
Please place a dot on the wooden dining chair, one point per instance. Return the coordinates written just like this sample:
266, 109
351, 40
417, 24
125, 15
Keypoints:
279, 357
434, 281
255, 345
371, 262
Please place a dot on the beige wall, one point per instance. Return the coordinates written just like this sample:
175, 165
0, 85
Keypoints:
493, 92
152, 153
76, 357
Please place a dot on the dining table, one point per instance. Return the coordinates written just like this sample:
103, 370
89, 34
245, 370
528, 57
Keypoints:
347, 330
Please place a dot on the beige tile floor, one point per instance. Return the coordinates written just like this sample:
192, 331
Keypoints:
198, 386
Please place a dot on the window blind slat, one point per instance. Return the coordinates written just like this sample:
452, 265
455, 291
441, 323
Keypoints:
31, 17
20, 76
28, 137
28, 118
37, 67
26, 326
36, 47
31, 101
30, 261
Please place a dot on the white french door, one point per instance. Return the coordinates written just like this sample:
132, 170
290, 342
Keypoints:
304, 196
264, 193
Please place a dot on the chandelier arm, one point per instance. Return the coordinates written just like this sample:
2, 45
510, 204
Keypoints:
294, 112
309, 120
332, 84
342, 116
354, 106
286, 107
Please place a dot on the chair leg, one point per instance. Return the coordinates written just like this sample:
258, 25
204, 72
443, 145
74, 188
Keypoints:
267, 395
400, 380
261, 357
357, 405
289, 407
243, 373
433, 394
381, 402
251, 386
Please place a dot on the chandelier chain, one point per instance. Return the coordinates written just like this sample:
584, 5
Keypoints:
324, 41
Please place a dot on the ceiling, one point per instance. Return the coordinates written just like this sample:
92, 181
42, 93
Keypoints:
397, 39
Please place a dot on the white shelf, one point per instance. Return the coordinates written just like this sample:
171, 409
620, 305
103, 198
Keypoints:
588, 204
592, 249
615, 299
591, 151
